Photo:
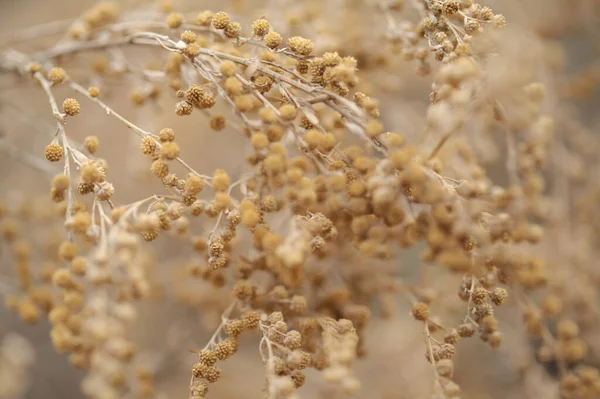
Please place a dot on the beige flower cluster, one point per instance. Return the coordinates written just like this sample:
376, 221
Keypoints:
481, 224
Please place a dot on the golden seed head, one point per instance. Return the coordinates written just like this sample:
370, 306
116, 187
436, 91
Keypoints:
91, 144
331, 58
183, 108
217, 122
174, 20
84, 187
267, 115
67, 250
552, 305
251, 319
288, 112
293, 340
269, 56
188, 37
207, 357
148, 146
499, 296
91, 173
300, 45
420, 311
137, 97
222, 201
479, 295
495, 339
53, 152
220, 20
272, 40
169, 150
450, 7
204, 18
233, 86
263, 83
28, 311
62, 278
260, 27
71, 107
374, 128
234, 328
228, 68
244, 103
159, 168
567, 329
57, 75
192, 50
194, 184
199, 97
61, 182
232, 30
166, 135
34, 67
93, 91
105, 191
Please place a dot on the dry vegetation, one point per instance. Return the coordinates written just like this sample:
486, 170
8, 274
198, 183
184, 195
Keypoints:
373, 199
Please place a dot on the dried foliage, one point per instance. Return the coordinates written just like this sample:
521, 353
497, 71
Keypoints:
254, 174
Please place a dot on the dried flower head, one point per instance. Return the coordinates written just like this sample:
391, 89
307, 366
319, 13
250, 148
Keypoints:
57, 75
54, 152
272, 40
220, 20
71, 107
300, 45
260, 27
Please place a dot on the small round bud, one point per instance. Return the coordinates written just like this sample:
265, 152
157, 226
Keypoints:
93, 91
288, 112
499, 296
251, 319
169, 151
67, 251
567, 329
466, 330
188, 37
479, 296
221, 180
300, 45
166, 135
61, 182
91, 144
53, 152
260, 27
148, 145
62, 278
207, 357
272, 40
220, 20
445, 368
420, 311
57, 75
159, 168
34, 67
232, 30
174, 20
228, 68
495, 339
217, 122
71, 107
183, 108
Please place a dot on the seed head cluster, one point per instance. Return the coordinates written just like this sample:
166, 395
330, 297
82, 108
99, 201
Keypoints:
320, 214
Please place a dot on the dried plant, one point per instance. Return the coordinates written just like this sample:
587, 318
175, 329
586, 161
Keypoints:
253, 175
